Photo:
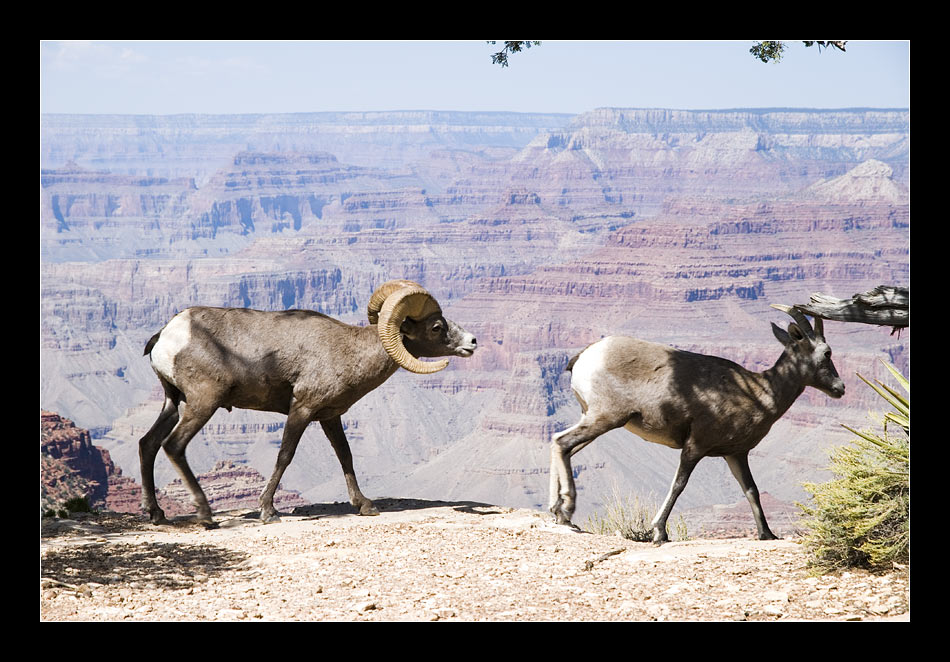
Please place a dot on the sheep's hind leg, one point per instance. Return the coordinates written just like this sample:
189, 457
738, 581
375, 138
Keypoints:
563, 493
192, 420
554, 486
148, 449
334, 431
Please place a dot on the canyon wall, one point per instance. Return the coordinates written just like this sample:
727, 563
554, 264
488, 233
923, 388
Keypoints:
538, 233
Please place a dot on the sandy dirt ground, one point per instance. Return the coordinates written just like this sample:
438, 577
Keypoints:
433, 561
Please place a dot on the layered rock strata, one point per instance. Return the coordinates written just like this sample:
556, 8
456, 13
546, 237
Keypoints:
72, 466
676, 226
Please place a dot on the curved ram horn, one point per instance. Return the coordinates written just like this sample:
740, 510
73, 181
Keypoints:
381, 294
409, 300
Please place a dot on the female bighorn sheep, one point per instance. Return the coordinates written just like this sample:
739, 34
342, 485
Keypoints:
296, 362
702, 405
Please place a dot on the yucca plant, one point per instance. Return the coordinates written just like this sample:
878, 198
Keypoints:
862, 517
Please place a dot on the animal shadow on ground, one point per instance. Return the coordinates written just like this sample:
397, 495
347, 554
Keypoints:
94, 524
392, 505
165, 565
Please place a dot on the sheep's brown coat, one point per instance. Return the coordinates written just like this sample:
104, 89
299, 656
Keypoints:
702, 405
296, 362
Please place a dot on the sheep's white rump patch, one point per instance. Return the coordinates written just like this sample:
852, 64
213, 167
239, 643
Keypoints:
174, 338
587, 378
590, 363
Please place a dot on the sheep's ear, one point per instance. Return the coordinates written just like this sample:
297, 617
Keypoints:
409, 327
780, 333
796, 333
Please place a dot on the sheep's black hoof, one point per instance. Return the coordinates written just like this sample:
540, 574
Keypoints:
157, 517
561, 518
368, 511
207, 524
270, 518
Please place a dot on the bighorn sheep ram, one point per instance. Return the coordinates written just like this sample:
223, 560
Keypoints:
702, 405
296, 362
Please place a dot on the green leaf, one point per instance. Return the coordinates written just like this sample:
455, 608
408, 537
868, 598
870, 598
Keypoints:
894, 399
898, 376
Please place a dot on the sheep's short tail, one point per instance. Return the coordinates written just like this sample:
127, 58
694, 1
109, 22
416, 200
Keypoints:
151, 343
172, 392
570, 364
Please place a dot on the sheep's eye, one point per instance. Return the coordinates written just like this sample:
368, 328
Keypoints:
437, 327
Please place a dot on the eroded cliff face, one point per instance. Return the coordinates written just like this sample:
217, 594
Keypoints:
634, 160
72, 466
538, 235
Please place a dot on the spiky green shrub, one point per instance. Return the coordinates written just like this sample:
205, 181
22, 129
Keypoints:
78, 505
631, 518
73, 505
862, 517
58, 485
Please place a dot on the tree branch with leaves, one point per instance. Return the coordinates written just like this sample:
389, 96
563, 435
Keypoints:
767, 51
501, 57
771, 51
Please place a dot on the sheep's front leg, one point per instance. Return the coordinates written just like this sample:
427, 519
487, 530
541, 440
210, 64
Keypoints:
334, 430
688, 461
297, 421
739, 465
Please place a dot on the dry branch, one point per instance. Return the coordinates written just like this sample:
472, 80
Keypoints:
885, 305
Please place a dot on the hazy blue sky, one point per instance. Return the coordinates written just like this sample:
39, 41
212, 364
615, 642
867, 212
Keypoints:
168, 77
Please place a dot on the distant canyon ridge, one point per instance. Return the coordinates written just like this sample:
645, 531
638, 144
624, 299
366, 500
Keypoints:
540, 233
